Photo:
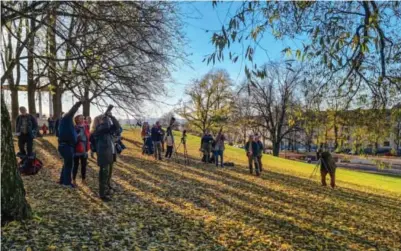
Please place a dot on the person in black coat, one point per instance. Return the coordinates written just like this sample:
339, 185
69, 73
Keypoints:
26, 129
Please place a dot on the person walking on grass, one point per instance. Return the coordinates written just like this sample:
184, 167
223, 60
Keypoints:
26, 128
103, 129
252, 151
219, 149
261, 147
169, 139
67, 140
81, 149
157, 135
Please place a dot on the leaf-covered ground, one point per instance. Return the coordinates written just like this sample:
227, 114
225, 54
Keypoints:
169, 206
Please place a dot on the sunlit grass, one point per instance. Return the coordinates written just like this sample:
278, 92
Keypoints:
165, 205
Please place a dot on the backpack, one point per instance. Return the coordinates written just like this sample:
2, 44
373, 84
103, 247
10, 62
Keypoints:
29, 165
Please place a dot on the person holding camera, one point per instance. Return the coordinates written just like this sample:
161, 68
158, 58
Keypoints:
157, 135
67, 140
104, 128
81, 148
26, 128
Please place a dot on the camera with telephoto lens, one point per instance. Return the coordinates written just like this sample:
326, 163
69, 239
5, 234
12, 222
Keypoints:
109, 108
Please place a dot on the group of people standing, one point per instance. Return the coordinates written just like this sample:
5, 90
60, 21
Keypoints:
77, 139
155, 139
213, 148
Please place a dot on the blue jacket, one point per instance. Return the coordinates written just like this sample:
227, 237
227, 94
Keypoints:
32, 125
156, 134
66, 129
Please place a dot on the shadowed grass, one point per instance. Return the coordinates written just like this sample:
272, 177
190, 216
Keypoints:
166, 205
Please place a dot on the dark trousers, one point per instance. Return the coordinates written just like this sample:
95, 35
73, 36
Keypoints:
51, 129
84, 162
260, 162
253, 160
169, 151
218, 153
25, 139
67, 153
105, 172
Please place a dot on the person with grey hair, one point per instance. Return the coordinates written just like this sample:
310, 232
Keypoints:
26, 129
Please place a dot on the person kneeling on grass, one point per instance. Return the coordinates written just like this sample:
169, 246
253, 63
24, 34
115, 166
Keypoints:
81, 148
103, 129
252, 152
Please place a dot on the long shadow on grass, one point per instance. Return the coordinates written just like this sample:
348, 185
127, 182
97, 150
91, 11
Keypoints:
156, 170
151, 231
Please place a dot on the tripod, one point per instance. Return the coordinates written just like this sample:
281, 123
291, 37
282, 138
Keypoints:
183, 143
315, 168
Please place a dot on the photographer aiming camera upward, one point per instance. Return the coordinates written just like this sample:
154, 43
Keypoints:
104, 128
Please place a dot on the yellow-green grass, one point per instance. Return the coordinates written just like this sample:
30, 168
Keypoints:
164, 205
345, 178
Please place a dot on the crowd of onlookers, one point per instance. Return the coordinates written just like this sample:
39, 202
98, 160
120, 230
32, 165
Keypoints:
77, 136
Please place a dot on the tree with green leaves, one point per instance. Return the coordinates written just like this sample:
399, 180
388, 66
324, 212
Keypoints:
209, 101
359, 41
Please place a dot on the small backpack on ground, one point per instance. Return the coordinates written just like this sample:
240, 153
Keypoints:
29, 165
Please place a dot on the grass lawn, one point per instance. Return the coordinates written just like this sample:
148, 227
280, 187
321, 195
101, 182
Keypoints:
166, 205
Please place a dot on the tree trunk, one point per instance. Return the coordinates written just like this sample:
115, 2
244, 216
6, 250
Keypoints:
31, 81
335, 137
13, 203
86, 105
57, 104
14, 107
276, 149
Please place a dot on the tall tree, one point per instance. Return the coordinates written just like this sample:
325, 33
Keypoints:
274, 99
209, 101
13, 203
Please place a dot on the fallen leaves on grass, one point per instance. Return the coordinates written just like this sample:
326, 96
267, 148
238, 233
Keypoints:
169, 206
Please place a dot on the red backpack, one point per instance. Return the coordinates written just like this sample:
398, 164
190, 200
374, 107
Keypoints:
28, 166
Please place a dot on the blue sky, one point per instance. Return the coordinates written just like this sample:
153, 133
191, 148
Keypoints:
201, 16
198, 17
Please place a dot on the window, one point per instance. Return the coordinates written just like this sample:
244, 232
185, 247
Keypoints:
386, 143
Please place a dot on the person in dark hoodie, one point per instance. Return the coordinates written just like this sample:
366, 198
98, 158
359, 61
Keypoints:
206, 145
26, 128
103, 131
67, 140
252, 152
157, 136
